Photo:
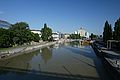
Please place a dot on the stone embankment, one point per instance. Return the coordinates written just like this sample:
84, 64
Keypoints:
17, 51
26, 49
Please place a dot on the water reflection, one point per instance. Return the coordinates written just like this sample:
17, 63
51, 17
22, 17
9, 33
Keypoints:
46, 54
75, 44
56, 46
20, 61
67, 58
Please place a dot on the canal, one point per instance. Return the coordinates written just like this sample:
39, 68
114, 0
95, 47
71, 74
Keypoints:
67, 61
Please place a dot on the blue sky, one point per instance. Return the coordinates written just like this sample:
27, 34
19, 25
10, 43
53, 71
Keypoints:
62, 15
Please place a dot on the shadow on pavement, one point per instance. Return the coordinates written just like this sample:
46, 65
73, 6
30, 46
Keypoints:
7, 73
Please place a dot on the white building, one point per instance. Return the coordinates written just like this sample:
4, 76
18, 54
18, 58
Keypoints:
55, 36
87, 35
36, 32
75, 32
82, 32
66, 36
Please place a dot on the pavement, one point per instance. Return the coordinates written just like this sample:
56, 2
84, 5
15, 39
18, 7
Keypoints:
113, 58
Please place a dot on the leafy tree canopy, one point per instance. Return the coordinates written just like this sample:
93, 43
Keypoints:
107, 34
116, 34
46, 33
17, 34
75, 36
20, 26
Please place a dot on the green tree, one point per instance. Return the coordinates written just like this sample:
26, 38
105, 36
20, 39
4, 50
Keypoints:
75, 36
107, 33
5, 38
93, 36
20, 26
36, 38
116, 33
22, 33
17, 34
46, 33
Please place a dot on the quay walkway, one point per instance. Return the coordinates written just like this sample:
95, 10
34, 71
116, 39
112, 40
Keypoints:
110, 60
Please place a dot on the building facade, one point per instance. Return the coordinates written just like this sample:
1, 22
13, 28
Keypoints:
82, 32
36, 32
55, 36
66, 36
87, 34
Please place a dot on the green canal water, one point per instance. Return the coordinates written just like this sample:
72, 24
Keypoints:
67, 61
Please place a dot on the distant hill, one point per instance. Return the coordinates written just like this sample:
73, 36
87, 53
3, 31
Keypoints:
4, 24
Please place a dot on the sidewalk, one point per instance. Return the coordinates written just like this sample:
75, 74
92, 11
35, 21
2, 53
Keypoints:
110, 60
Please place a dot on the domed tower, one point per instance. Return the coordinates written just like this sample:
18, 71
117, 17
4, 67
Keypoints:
81, 31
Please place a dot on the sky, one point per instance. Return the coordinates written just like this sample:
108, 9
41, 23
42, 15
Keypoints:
62, 15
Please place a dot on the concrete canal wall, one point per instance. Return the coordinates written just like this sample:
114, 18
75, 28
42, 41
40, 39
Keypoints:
110, 60
18, 51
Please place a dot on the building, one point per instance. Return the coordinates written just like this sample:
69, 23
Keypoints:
75, 32
36, 32
82, 32
87, 35
66, 36
55, 36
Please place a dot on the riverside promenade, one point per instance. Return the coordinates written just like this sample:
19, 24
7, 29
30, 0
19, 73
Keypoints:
110, 60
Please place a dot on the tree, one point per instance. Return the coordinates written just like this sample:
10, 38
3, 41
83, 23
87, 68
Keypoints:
93, 36
17, 34
107, 33
20, 26
116, 33
22, 34
20, 31
36, 38
75, 36
5, 38
46, 33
